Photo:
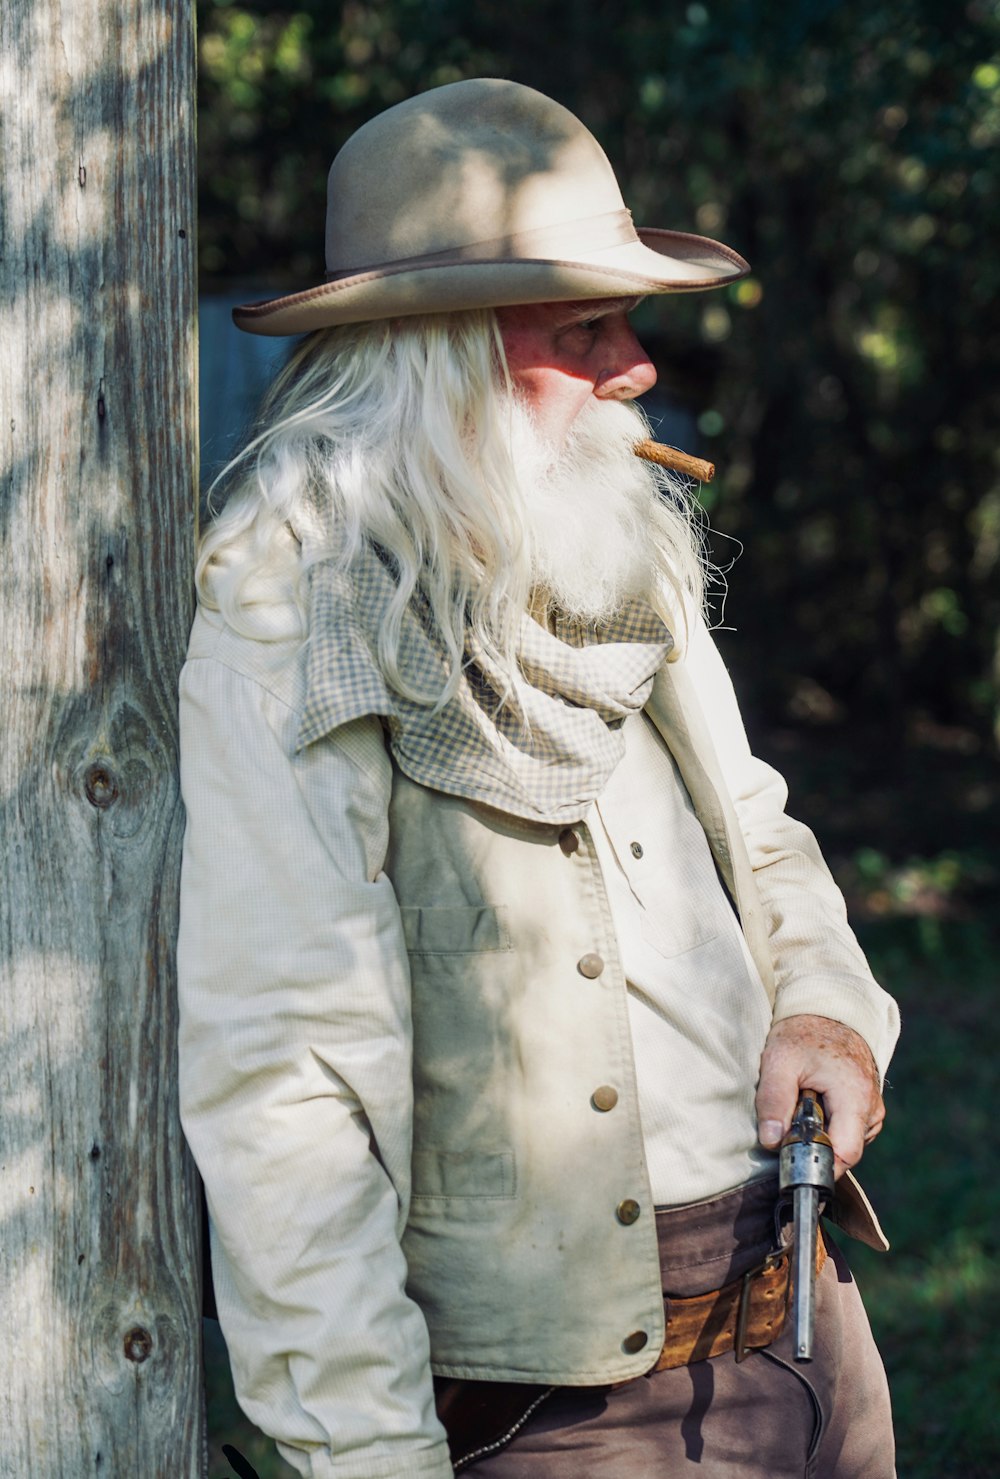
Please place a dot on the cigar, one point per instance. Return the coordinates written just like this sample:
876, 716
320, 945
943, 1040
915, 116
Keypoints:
651, 451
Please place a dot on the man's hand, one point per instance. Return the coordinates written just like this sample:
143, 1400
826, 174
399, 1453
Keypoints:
817, 1053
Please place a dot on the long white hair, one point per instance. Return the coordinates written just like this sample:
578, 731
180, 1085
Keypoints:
401, 433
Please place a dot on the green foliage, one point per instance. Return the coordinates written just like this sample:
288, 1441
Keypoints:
934, 1300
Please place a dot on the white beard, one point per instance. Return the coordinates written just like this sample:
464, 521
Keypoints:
588, 510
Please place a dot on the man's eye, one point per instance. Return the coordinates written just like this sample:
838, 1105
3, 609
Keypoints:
584, 331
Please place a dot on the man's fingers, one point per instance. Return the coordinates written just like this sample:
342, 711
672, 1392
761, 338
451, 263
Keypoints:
777, 1095
876, 1118
847, 1132
771, 1133
854, 1117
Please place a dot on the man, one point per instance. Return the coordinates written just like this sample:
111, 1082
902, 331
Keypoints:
476, 1059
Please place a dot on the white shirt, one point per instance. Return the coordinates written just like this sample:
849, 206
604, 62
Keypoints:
698, 1011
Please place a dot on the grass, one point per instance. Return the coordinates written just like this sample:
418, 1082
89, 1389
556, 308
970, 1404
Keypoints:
934, 1301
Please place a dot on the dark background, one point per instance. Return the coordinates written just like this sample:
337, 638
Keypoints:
848, 394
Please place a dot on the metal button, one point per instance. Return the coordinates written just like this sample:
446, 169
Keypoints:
635, 848
627, 1211
590, 965
635, 1342
605, 1097
569, 841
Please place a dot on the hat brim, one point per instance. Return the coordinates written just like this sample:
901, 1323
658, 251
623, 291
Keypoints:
658, 262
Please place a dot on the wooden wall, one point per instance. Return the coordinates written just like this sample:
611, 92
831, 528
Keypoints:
100, 1365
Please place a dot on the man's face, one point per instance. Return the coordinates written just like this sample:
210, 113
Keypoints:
561, 354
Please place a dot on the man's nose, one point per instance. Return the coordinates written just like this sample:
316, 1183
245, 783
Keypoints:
629, 371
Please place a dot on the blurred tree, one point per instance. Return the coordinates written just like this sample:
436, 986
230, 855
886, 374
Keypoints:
847, 389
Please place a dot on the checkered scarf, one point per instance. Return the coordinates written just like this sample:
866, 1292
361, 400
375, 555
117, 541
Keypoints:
544, 753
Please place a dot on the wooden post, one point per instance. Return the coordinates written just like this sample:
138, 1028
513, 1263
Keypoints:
100, 1367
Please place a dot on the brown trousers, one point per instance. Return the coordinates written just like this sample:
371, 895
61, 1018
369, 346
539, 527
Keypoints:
764, 1418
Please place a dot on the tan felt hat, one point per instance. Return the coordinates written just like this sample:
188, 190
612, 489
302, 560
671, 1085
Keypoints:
478, 194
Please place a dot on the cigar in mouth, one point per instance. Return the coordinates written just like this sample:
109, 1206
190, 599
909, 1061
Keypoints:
694, 467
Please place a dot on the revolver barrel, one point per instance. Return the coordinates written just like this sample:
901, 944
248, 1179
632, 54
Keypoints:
805, 1169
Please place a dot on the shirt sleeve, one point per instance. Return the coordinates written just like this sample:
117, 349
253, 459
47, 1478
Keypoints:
296, 1090
819, 965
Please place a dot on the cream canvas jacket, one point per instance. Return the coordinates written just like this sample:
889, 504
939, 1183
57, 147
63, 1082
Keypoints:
346, 935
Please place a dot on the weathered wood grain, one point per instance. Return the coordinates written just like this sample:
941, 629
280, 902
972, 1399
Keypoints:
100, 1357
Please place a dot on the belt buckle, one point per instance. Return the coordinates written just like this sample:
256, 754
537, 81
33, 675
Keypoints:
740, 1348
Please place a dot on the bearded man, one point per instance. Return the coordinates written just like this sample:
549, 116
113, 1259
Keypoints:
501, 965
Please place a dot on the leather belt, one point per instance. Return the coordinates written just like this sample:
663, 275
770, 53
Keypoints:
744, 1316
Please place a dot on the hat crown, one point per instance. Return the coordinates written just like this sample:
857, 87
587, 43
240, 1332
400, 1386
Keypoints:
484, 160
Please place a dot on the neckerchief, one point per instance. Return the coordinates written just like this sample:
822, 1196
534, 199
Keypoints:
543, 753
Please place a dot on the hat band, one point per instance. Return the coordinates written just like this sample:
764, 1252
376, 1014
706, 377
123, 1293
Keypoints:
612, 229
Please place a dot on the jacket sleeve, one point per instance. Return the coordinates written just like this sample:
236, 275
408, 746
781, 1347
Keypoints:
818, 964
295, 1080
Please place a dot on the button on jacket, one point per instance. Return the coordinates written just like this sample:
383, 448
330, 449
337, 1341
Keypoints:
346, 933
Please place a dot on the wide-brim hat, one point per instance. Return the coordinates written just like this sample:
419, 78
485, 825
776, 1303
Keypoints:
475, 195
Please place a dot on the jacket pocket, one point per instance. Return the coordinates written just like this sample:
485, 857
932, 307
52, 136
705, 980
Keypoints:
464, 975
462, 929
673, 933
455, 1173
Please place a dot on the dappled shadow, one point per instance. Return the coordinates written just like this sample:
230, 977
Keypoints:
99, 436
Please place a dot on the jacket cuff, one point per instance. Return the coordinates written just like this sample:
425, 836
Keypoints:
387, 1463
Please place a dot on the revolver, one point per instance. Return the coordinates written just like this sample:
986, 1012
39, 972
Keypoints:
805, 1170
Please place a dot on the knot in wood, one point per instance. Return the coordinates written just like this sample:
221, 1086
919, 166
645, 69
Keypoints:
138, 1344
100, 785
